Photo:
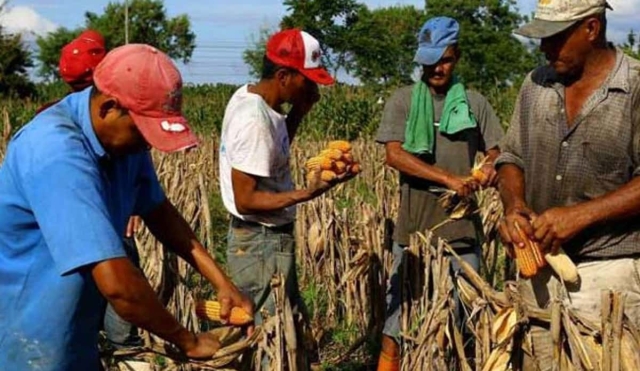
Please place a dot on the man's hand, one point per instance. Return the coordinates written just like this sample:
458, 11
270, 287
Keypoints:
462, 186
316, 186
133, 226
230, 297
556, 226
200, 346
510, 237
490, 175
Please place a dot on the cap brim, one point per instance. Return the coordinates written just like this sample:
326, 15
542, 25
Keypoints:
429, 56
318, 75
165, 140
540, 29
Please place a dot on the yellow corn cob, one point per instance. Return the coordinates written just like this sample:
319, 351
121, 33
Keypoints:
324, 163
339, 167
334, 154
479, 175
210, 310
347, 157
325, 175
525, 256
342, 145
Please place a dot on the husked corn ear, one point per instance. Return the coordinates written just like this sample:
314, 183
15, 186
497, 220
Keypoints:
525, 256
324, 163
339, 167
210, 310
563, 266
325, 175
332, 153
342, 145
347, 157
479, 175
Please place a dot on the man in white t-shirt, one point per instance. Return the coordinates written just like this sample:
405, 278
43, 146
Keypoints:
255, 177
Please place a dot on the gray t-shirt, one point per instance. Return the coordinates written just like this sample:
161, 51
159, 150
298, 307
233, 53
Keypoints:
419, 208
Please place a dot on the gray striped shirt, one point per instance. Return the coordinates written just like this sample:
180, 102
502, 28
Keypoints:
568, 165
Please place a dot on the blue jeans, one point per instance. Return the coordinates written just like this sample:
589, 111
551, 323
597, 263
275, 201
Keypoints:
394, 298
119, 332
254, 256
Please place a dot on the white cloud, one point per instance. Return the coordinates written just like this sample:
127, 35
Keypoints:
25, 20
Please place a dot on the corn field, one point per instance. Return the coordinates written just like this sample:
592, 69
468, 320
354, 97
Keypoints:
344, 258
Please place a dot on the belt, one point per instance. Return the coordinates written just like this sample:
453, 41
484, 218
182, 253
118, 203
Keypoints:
257, 227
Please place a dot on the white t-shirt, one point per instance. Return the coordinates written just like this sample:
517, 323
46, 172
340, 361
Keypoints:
255, 141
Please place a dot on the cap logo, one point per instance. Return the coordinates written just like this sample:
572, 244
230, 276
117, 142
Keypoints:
173, 127
426, 37
315, 55
174, 101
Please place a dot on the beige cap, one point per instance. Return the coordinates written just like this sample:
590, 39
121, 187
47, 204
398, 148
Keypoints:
554, 16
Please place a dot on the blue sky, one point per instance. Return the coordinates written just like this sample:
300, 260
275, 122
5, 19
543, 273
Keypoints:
224, 28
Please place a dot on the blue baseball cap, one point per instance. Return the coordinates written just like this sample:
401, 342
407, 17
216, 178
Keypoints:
434, 38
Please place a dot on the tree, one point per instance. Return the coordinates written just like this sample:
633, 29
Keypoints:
148, 24
491, 55
631, 47
253, 56
328, 21
382, 44
14, 61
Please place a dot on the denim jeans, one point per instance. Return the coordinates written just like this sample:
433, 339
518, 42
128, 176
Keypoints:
254, 257
394, 299
119, 332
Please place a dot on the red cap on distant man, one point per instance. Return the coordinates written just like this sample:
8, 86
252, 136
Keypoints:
147, 83
297, 49
80, 57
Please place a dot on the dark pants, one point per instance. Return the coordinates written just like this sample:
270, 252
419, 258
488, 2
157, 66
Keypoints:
394, 299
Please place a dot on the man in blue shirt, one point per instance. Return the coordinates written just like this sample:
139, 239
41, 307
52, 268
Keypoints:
70, 180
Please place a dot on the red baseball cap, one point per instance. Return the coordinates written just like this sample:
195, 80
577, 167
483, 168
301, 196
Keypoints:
147, 83
80, 57
297, 49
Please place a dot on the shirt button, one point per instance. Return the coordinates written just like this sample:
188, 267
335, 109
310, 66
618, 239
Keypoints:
565, 144
558, 177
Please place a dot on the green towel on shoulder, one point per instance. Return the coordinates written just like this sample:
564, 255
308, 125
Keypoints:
419, 135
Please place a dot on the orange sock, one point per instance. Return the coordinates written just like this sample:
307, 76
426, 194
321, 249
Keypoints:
388, 363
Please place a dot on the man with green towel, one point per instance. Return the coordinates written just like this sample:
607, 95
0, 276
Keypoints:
432, 132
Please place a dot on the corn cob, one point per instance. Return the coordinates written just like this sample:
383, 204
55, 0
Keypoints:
325, 175
339, 167
324, 163
342, 145
478, 175
347, 157
563, 266
210, 310
334, 154
355, 168
525, 257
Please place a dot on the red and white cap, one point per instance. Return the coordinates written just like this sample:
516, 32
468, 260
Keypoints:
147, 83
297, 49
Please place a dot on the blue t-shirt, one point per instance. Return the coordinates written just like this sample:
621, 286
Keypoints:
64, 205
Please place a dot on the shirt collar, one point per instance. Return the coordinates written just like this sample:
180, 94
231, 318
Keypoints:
81, 107
618, 78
